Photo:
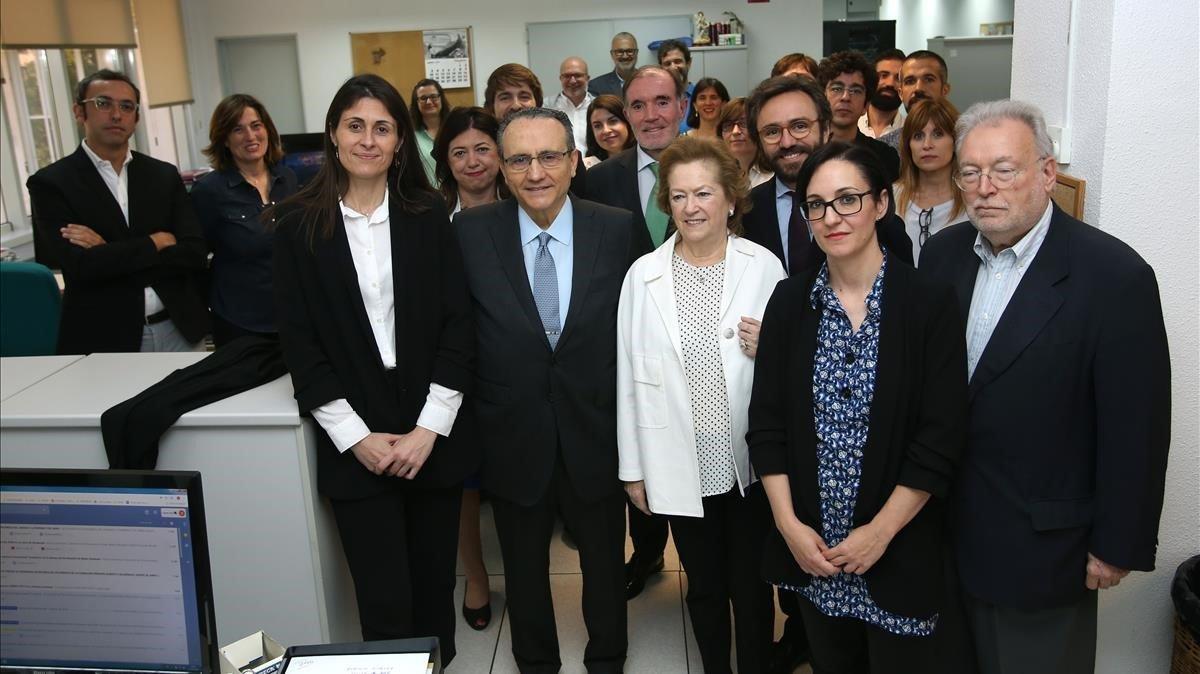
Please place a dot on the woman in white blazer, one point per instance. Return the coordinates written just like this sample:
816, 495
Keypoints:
687, 335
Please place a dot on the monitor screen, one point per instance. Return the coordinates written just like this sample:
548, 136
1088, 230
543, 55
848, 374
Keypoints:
104, 570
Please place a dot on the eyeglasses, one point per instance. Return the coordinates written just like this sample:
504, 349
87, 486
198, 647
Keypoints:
847, 204
573, 76
622, 52
429, 98
798, 128
730, 125
838, 91
104, 104
1001, 178
924, 222
549, 159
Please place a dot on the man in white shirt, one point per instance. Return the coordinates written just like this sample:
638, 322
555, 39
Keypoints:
883, 110
119, 225
574, 98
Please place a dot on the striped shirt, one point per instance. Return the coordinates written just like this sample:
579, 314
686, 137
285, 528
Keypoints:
997, 279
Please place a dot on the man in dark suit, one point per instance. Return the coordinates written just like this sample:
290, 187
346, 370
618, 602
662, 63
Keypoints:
119, 225
1062, 483
847, 77
789, 117
624, 53
545, 273
655, 103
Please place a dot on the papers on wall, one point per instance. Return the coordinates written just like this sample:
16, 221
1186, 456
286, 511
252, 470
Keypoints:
447, 57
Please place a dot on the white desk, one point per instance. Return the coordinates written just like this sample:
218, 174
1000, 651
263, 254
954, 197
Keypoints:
277, 563
20, 372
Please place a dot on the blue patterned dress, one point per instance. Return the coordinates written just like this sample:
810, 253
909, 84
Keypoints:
843, 387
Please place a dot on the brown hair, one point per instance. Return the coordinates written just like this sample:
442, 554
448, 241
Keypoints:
736, 109
511, 75
777, 86
414, 108
615, 106
225, 119
457, 122
688, 149
944, 115
794, 59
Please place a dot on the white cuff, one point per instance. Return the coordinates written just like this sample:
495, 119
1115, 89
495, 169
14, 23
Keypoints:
341, 423
440, 410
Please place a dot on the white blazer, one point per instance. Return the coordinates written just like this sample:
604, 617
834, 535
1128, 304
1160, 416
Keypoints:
655, 436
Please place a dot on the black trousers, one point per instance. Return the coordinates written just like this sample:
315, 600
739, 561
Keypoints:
722, 554
648, 534
851, 646
599, 531
401, 547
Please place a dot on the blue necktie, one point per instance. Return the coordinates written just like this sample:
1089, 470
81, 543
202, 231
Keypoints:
545, 289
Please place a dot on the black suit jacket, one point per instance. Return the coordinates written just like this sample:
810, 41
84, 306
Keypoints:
331, 353
614, 182
917, 426
608, 83
886, 153
533, 403
762, 227
1069, 421
103, 306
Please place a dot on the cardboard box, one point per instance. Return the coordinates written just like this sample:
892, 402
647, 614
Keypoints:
255, 654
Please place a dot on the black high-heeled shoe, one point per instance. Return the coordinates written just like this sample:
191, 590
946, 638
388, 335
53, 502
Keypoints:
477, 619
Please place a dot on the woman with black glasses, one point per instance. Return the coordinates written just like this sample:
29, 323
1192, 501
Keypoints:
926, 197
857, 420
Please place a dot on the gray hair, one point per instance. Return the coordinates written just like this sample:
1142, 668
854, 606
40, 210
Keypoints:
537, 113
992, 112
624, 35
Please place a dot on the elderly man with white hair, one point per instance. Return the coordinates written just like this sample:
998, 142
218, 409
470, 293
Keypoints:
1061, 487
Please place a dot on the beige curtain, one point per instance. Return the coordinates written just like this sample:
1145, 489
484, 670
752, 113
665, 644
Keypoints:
65, 24
163, 51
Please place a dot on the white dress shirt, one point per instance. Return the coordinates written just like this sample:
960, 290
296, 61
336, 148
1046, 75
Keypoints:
118, 185
577, 114
645, 176
370, 238
864, 123
996, 281
561, 233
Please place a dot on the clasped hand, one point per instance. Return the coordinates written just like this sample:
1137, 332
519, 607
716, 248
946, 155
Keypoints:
856, 554
396, 455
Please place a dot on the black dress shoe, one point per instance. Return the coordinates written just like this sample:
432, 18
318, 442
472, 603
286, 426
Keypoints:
636, 574
786, 656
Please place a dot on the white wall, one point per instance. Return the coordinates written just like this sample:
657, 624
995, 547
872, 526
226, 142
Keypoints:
918, 20
1134, 160
322, 34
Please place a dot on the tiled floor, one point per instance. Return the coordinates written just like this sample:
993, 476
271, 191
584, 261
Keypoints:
660, 635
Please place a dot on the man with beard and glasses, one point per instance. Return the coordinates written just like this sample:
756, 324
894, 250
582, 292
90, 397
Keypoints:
789, 117
624, 53
883, 109
923, 75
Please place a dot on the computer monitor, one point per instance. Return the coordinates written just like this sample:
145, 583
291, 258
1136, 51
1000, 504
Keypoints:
105, 570
304, 153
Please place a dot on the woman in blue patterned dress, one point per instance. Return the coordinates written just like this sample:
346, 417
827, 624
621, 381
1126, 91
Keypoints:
857, 420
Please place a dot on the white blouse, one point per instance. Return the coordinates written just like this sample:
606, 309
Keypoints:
922, 223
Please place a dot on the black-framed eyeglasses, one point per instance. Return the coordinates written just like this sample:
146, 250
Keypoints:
622, 52
846, 204
924, 222
548, 159
573, 76
797, 128
429, 98
104, 104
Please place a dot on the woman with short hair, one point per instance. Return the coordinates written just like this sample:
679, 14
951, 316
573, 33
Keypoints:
608, 131
687, 334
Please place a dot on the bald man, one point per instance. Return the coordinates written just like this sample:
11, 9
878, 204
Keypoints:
574, 98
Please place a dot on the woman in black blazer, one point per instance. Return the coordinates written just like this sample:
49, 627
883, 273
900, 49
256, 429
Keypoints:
374, 321
857, 420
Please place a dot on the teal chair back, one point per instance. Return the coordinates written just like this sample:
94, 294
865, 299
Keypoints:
30, 304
